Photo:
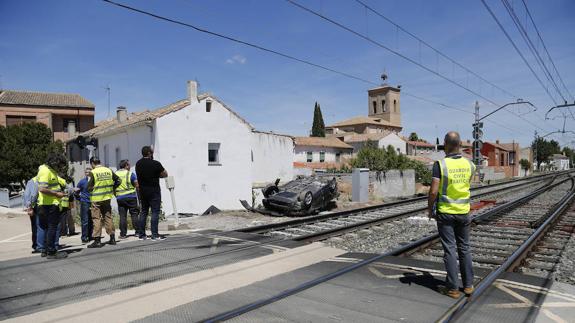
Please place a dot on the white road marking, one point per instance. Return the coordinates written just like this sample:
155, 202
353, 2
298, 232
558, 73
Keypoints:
14, 237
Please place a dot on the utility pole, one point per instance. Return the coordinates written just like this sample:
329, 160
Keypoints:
477, 143
535, 152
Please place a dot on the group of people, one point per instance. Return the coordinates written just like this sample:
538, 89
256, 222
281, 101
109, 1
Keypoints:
49, 198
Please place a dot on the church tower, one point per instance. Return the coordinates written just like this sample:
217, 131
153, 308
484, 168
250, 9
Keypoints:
384, 103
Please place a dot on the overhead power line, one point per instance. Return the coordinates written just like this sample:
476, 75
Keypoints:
546, 51
516, 48
367, 38
523, 33
379, 14
290, 57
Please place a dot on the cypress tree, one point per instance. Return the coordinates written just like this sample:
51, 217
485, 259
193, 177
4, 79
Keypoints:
318, 127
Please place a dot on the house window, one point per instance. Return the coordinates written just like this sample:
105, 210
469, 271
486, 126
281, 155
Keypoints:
214, 153
309, 156
512, 158
337, 157
394, 105
383, 105
67, 122
208, 106
118, 157
18, 120
374, 103
322, 156
502, 160
252, 156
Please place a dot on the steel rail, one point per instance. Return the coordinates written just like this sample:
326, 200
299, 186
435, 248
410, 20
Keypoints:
313, 219
457, 310
314, 282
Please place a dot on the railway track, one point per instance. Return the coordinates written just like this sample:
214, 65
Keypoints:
507, 237
325, 226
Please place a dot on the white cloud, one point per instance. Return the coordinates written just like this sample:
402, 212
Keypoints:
239, 59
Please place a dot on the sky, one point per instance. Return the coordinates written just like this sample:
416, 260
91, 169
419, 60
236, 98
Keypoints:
84, 46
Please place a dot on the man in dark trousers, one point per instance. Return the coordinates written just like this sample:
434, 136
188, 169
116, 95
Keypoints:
449, 204
102, 183
149, 172
127, 198
49, 197
83, 196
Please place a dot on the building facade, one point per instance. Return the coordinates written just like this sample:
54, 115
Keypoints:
321, 152
384, 115
383, 140
65, 114
214, 155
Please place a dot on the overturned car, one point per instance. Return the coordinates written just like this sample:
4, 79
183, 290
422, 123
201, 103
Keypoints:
301, 196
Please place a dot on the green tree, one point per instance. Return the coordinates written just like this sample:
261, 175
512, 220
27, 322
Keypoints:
525, 165
413, 136
22, 149
544, 149
318, 127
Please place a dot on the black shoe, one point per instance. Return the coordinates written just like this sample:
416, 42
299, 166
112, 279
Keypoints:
158, 238
72, 234
96, 244
57, 255
85, 240
143, 237
123, 236
43, 253
36, 251
112, 240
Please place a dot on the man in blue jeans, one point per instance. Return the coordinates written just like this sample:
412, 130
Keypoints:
83, 196
449, 204
149, 172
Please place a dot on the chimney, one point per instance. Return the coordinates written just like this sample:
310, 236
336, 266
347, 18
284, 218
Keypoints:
497, 141
121, 114
72, 128
193, 91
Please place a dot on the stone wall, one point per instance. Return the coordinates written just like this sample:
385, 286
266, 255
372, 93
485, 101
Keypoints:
393, 183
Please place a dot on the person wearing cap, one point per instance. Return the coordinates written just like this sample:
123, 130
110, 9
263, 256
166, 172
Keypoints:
126, 196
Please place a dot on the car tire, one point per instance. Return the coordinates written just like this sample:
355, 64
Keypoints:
270, 190
307, 200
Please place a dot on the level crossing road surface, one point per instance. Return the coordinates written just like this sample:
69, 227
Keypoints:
193, 276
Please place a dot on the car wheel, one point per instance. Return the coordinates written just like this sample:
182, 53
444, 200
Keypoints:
270, 190
307, 200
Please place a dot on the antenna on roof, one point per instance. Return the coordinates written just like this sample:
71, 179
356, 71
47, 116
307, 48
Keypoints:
108, 89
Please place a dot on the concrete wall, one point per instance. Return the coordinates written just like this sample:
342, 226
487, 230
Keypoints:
181, 141
390, 184
393, 183
272, 158
491, 173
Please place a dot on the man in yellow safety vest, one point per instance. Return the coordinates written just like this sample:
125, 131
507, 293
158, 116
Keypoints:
49, 197
126, 196
449, 204
102, 183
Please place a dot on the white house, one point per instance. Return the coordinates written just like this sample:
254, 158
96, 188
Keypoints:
560, 162
214, 154
382, 139
320, 152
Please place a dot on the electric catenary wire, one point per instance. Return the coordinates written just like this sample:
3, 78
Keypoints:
367, 38
290, 57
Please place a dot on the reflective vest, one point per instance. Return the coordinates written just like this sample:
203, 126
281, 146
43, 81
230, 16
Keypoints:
103, 184
47, 178
126, 186
454, 195
64, 201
